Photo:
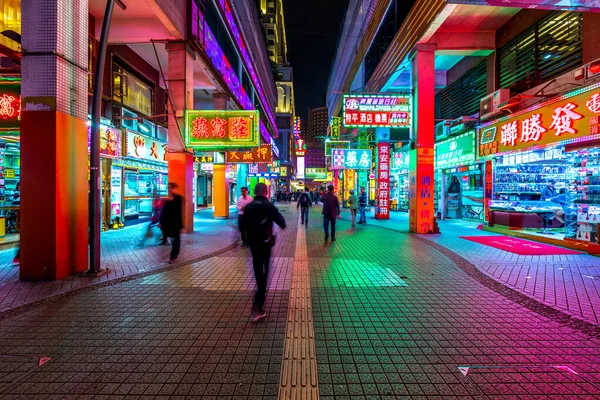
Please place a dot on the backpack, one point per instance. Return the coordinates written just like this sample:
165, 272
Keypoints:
304, 200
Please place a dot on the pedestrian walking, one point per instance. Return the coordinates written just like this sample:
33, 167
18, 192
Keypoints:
171, 220
304, 203
157, 204
260, 215
353, 204
362, 205
331, 211
242, 202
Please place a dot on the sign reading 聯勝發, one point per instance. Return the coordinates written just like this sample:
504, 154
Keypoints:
456, 151
571, 117
222, 129
351, 159
380, 111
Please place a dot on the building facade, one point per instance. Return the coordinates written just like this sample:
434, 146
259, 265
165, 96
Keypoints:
318, 122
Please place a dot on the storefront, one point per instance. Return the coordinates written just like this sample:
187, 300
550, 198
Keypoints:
458, 178
144, 172
545, 164
204, 177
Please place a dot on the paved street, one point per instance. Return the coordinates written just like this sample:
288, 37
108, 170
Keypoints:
376, 315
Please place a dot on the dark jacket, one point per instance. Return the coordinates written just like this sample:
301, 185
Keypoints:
171, 216
331, 205
548, 193
260, 215
308, 200
362, 199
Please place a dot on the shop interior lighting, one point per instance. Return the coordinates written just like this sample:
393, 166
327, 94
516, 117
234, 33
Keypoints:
143, 128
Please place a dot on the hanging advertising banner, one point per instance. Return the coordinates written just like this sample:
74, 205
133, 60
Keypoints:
457, 151
262, 154
110, 141
116, 185
219, 130
573, 117
335, 125
489, 188
10, 105
351, 159
146, 148
316, 173
300, 173
421, 184
376, 111
382, 208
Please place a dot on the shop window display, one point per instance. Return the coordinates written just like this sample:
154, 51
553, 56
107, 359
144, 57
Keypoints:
140, 188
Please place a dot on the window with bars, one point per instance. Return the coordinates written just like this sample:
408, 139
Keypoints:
548, 49
462, 97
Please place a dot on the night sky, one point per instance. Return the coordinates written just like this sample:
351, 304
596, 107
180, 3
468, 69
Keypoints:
312, 29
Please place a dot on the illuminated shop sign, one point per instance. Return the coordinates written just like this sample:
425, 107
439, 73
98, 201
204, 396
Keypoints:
300, 147
365, 111
146, 148
300, 172
110, 141
351, 159
570, 118
221, 129
335, 125
260, 154
401, 160
204, 158
335, 144
297, 126
459, 150
382, 211
10, 104
262, 171
316, 173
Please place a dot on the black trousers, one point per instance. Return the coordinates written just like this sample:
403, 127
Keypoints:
261, 256
242, 228
326, 221
175, 245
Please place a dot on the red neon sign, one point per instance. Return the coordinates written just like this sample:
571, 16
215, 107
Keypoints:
382, 210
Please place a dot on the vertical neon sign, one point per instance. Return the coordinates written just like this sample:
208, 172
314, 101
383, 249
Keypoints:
382, 211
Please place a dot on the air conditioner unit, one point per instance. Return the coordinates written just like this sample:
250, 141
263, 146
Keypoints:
442, 130
490, 104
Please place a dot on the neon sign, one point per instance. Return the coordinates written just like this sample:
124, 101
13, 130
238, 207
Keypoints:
351, 159
382, 211
146, 148
335, 127
10, 104
457, 151
573, 117
300, 147
110, 141
366, 111
221, 129
262, 154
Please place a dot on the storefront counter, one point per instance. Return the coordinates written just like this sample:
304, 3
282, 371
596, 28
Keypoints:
519, 215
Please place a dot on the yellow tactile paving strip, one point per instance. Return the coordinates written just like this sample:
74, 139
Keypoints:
299, 379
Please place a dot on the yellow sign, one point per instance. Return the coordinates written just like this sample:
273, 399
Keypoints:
9, 173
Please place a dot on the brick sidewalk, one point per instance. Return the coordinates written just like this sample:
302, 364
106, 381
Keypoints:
122, 256
570, 283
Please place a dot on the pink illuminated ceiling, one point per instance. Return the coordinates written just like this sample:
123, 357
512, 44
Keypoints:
574, 5
471, 18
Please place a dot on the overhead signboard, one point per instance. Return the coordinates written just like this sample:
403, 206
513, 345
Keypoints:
146, 148
204, 158
351, 159
573, 117
10, 104
376, 111
316, 173
456, 151
222, 129
110, 141
262, 154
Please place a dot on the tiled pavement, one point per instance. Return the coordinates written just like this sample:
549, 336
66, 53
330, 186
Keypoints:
393, 318
570, 283
122, 256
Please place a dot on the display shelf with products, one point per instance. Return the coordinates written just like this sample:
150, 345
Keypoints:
526, 180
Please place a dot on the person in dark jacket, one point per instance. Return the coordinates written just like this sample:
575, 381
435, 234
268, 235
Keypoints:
362, 205
260, 215
331, 211
548, 192
304, 203
171, 220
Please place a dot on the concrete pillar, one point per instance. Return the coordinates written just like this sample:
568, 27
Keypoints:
221, 198
421, 181
181, 94
54, 157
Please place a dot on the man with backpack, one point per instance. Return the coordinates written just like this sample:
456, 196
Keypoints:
304, 202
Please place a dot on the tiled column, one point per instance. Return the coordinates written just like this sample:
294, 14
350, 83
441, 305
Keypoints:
181, 93
220, 179
54, 155
421, 214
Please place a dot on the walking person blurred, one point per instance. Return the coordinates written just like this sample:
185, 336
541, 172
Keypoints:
304, 203
242, 202
260, 215
171, 220
362, 204
353, 204
331, 211
157, 204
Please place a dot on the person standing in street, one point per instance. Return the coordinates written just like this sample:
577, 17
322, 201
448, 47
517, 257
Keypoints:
304, 203
331, 211
353, 204
260, 215
171, 220
242, 202
362, 204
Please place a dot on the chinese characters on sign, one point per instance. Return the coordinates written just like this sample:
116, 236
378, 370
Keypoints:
300, 147
351, 159
382, 209
10, 105
146, 148
335, 127
257, 155
335, 144
110, 141
460, 150
574, 117
222, 129
316, 173
376, 110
